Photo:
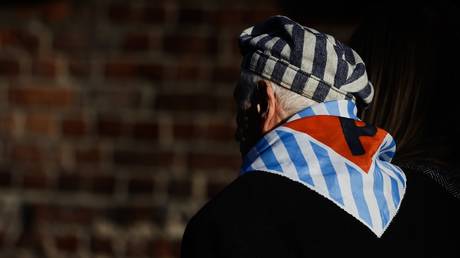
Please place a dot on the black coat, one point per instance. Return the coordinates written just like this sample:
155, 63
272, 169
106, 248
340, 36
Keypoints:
266, 215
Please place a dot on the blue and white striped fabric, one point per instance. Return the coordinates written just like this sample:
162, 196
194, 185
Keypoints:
304, 60
372, 197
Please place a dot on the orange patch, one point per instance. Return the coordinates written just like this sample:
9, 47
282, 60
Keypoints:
328, 130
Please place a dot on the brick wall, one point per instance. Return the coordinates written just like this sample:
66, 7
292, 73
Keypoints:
116, 121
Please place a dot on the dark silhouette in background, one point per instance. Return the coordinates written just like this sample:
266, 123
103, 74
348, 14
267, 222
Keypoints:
413, 62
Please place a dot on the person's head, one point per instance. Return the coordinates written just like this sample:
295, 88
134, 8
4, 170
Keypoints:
412, 60
287, 67
261, 106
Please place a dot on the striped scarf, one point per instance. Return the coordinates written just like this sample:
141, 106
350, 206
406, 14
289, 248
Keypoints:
328, 149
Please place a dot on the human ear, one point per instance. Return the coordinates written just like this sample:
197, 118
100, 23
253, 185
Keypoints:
268, 120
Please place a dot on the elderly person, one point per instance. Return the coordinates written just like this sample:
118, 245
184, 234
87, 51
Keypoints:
316, 181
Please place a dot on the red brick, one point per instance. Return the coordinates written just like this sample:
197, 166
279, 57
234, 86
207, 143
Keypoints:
239, 18
74, 127
156, 41
36, 180
54, 97
176, 247
70, 182
120, 12
142, 158
27, 11
214, 161
41, 123
154, 14
151, 71
19, 39
140, 185
226, 17
145, 130
63, 214
120, 69
72, 42
185, 131
123, 69
228, 74
89, 155
80, 69
52, 11
101, 245
103, 184
188, 102
57, 11
190, 45
136, 42
165, 248
121, 97
44, 67
251, 16
5, 178
218, 131
68, 243
127, 214
234, 50
188, 16
31, 238
138, 248
221, 131
8, 124
189, 72
111, 127
26, 153
123, 13
180, 188
9, 67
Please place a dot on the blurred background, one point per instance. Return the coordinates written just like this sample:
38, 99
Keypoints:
117, 118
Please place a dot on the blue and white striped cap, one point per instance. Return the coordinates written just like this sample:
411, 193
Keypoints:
304, 60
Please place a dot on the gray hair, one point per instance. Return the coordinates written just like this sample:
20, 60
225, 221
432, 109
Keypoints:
290, 101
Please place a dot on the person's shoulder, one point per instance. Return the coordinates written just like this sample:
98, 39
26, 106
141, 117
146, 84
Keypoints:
434, 185
230, 204
429, 198
265, 197
430, 210
246, 194
234, 194
272, 209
